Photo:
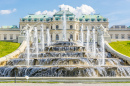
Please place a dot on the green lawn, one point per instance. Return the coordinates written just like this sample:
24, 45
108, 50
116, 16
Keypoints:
7, 47
122, 47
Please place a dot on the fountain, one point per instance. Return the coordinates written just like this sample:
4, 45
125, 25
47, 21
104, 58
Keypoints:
65, 59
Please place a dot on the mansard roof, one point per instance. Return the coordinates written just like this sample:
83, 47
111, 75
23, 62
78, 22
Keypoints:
91, 16
61, 12
36, 16
9, 27
119, 26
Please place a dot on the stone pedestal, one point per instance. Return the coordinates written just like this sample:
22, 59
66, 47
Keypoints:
21, 39
106, 38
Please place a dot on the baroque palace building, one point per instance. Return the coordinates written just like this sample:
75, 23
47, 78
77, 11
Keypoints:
73, 25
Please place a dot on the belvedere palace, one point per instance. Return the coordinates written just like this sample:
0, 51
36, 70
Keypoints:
55, 25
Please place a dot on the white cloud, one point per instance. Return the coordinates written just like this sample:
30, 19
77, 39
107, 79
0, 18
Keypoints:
49, 13
83, 9
7, 11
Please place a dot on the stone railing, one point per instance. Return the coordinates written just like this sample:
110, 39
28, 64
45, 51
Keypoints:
115, 53
13, 55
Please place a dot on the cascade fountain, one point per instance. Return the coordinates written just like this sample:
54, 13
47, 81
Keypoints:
65, 59
64, 26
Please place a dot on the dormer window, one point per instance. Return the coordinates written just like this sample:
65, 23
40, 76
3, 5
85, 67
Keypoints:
92, 20
29, 20
70, 18
104, 19
86, 19
41, 19
35, 20
80, 19
57, 19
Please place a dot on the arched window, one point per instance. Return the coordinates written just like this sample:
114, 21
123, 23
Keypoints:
71, 36
57, 37
71, 27
57, 26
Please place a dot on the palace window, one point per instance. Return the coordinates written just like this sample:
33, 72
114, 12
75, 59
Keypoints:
51, 27
122, 36
116, 36
92, 27
77, 37
17, 35
46, 27
57, 26
71, 26
11, 36
71, 36
111, 36
57, 37
5, 36
51, 37
129, 36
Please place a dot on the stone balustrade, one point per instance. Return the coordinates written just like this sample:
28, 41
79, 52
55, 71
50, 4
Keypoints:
116, 53
13, 55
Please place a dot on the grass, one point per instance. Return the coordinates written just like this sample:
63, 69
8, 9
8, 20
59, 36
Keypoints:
122, 47
7, 47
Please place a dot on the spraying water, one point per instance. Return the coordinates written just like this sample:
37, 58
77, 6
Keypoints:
103, 50
36, 41
81, 35
64, 26
94, 46
48, 37
28, 47
42, 38
88, 34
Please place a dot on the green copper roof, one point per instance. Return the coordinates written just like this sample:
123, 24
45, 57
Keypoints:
91, 16
36, 16
60, 13
7, 27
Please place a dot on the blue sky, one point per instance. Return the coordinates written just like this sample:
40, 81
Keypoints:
117, 11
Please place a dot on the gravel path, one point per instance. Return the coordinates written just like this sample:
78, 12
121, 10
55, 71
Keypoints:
63, 84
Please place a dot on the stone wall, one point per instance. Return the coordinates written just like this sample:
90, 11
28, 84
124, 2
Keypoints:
115, 53
13, 55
